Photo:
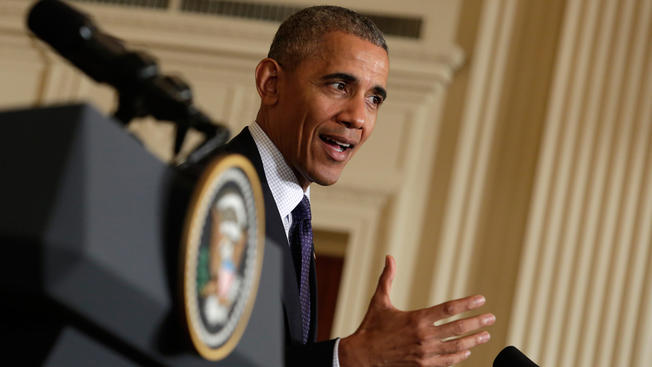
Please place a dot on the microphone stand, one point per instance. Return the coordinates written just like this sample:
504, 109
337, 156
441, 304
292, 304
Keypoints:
142, 90
167, 98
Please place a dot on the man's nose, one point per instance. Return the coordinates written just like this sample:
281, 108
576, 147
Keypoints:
354, 114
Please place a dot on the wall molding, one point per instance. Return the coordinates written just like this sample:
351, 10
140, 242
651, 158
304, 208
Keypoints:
583, 282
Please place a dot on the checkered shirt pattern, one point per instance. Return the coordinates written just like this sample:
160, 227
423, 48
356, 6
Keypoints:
282, 182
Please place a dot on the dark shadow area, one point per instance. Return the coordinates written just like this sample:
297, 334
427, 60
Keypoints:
32, 163
172, 336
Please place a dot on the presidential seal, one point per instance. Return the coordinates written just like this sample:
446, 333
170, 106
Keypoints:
222, 254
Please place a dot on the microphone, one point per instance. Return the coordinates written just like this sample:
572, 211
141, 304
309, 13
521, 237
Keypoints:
74, 36
135, 75
512, 357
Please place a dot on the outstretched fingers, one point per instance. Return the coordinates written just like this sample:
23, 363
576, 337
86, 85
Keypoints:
464, 343
388, 336
454, 307
449, 343
449, 352
464, 326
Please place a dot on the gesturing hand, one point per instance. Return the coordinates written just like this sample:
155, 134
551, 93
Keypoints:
391, 337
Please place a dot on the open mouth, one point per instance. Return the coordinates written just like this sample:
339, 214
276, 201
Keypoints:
338, 145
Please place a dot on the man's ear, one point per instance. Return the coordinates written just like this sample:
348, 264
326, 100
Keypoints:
267, 73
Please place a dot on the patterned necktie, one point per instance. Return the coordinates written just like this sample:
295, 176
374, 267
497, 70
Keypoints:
301, 243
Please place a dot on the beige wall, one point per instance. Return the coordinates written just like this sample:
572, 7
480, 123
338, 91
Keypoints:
512, 159
543, 202
485, 168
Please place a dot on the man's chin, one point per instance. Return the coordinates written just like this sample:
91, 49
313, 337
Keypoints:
325, 180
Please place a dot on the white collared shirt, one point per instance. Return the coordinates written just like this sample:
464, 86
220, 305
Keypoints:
284, 186
282, 181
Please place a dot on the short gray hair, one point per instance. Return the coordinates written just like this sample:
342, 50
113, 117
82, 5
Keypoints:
299, 35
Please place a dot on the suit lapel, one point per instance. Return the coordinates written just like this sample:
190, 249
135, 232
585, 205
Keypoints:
244, 144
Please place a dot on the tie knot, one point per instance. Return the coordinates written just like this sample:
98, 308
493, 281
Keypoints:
302, 210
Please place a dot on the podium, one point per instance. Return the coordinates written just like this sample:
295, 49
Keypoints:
90, 225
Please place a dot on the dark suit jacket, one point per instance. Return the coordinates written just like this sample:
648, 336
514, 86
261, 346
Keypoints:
296, 354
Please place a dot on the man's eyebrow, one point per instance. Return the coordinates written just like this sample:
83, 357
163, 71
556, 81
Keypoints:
352, 79
342, 76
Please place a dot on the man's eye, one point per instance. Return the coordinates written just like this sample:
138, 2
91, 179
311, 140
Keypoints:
376, 100
338, 85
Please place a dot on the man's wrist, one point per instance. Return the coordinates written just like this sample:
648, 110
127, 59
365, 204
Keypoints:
348, 352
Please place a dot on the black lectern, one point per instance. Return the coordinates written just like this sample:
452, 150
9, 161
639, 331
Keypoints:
89, 230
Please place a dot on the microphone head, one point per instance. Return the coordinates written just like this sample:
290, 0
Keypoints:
59, 25
512, 357
74, 36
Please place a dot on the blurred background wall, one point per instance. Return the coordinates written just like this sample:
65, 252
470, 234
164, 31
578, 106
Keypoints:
513, 157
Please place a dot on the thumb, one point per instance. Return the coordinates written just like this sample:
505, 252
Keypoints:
381, 296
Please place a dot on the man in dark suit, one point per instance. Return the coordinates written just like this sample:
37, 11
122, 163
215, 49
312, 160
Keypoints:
321, 87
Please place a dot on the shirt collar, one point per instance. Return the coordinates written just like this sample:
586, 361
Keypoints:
281, 179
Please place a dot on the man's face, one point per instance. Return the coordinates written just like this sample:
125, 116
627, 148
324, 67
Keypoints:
327, 106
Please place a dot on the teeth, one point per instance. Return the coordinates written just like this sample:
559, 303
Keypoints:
342, 145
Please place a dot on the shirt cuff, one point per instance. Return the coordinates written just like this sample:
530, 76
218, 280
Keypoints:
336, 359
